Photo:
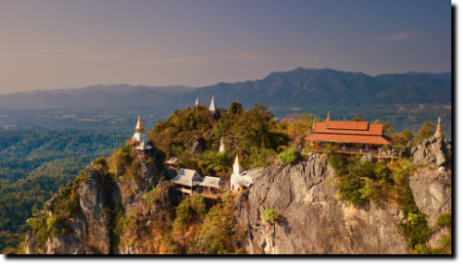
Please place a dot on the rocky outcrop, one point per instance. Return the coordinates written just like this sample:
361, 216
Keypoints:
434, 152
100, 197
313, 221
431, 190
93, 198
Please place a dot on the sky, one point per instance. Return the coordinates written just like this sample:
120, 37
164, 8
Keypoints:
50, 44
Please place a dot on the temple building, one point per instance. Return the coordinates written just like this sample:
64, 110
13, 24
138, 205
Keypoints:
348, 133
187, 181
211, 187
239, 179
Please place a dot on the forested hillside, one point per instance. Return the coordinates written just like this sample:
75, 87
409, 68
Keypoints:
34, 163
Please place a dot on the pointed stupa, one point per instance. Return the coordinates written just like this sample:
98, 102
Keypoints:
140, 134
439, 129
236, 168
328, 117
212, 107
197, 102
139, 128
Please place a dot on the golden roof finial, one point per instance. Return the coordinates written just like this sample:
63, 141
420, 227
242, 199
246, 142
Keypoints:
140, 128
439, 129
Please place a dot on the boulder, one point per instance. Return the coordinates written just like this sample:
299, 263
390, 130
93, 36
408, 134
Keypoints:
439, 148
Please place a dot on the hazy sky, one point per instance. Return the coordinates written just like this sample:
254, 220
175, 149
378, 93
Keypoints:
53, 44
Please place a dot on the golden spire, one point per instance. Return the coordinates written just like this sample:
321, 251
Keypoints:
328, 117
439, 129
139, 128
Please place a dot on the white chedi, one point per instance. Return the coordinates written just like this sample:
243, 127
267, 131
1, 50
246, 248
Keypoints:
212, 106
234, 178
140, 134
222, 146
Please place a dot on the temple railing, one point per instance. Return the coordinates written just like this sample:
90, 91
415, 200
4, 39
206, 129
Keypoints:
349, 150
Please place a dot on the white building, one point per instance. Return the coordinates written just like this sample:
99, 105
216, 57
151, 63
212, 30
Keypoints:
140, 134
245, 179
212, 106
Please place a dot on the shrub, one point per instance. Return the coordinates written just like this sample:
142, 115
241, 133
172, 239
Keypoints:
306, 152
78, 179
421, 249
438, 251
445, 219
271, 216
101, 161
289, 156
446, 241
190, 210
152, 196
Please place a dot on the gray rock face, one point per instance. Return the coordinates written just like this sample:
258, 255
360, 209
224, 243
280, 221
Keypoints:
93, 199
433, 152
433, 241
91, 228
313, 221
431, 190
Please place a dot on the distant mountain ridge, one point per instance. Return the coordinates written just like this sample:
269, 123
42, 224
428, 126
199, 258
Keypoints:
297, 88
325, 87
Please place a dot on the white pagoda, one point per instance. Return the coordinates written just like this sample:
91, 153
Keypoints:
212, 106
140, 134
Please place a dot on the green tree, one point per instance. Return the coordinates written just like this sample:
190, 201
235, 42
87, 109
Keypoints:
427, 130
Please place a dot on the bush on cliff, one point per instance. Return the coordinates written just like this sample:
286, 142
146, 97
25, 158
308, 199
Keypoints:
289, 156
415, 228
360, 182
271, 216
445, 219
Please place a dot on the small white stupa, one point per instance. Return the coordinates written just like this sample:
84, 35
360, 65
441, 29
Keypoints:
140, 134
212, 106
222, 146
197, 102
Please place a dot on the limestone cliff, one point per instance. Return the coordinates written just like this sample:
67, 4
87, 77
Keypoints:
113, 216
103, 199
313, 221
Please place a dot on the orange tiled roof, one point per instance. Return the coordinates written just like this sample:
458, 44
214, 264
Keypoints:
349, 127
345, 138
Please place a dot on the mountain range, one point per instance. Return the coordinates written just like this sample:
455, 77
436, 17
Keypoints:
297, 88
